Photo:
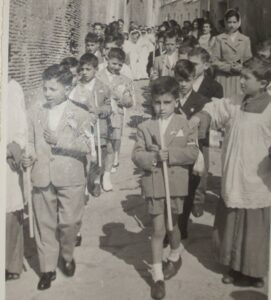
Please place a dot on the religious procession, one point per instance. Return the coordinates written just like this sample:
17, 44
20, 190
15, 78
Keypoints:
112, 139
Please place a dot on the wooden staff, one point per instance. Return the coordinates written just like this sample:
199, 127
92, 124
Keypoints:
98, 134
28, 196
165, 171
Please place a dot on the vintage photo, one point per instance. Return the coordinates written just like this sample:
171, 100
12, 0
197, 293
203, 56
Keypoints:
136, 146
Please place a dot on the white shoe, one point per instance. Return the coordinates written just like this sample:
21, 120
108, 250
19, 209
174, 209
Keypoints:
114, 168
107, 185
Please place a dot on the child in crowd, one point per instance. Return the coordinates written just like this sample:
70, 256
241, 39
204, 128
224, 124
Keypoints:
243, 215
98, 29
93, 44
71, 63
16, 143
114, 41
164, 64
183, 51
58, 145
206, 86
180, 153
190, 102
84, 95
121, 98
159, 50
203, 83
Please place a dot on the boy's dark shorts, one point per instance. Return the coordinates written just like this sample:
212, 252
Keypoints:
158, 206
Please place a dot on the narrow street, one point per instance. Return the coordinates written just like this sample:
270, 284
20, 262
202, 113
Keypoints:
113, 261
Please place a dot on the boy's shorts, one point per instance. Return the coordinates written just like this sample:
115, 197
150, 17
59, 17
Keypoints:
158, 206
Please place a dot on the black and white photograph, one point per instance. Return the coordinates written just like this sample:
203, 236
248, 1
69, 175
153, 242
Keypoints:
135, 149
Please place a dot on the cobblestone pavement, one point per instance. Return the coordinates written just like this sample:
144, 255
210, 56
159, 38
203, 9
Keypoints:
114, 259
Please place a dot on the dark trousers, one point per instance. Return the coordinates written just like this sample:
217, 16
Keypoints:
188, 204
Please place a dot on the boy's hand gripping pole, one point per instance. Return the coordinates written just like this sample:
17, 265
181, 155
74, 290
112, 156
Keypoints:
165, 171
98, 134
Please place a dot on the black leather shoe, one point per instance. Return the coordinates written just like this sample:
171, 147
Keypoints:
231, 277
68, 267
257, 282
197, 210
171, 268
45, 280
158, 290
12, 276
78, 240
96, 190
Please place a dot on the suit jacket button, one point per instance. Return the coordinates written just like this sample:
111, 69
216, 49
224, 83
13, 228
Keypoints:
52, 159
172, 172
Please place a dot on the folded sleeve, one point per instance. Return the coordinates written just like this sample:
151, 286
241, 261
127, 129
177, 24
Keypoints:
220, 112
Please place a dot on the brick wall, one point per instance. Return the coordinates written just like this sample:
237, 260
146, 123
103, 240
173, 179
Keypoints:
40, 33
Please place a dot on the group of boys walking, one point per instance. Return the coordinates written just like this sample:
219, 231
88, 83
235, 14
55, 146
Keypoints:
74, 140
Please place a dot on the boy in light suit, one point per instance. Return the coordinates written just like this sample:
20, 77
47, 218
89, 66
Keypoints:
165, 63
89, 87
180, 153
121, 90
58, 142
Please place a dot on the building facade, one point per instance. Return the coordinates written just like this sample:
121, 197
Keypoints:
180, 10
144, 12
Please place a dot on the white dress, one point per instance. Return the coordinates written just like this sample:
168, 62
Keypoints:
246, 166
16, 132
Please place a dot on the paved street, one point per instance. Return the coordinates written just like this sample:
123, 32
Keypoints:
114, 260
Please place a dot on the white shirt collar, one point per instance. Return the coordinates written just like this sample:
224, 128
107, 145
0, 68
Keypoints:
165, 123
55, 114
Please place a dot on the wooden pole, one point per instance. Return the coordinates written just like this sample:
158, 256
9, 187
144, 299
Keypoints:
98, 134
28, 195
165, 171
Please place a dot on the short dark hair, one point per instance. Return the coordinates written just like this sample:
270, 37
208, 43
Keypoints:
184, 69
114, 37
117, 53
160, 35
61, 73
183, 49
69, 62
98, 24
260, 68
165, 85
93, 38
201, 52
232, 12
88, 59
170, 34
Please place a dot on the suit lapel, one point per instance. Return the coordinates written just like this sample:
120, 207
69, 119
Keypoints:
189, 106
154, 132
171, 130
63, 119
204, 87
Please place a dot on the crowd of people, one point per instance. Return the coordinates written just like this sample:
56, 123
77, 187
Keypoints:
199, 81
